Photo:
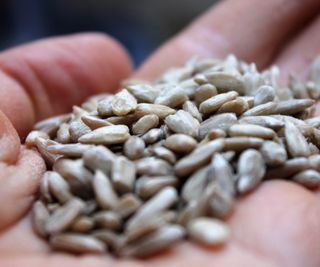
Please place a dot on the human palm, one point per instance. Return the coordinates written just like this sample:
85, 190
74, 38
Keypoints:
276, 225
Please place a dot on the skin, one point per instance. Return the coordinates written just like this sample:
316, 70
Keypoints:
276, 225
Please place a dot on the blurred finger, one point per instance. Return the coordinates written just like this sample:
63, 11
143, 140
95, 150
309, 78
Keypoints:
253, 30
48, 77
298, 56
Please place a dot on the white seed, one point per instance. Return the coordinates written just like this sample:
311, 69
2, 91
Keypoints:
123, 103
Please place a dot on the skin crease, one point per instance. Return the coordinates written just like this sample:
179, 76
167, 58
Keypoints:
276, 225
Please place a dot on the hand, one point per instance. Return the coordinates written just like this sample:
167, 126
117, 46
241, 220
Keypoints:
277, 225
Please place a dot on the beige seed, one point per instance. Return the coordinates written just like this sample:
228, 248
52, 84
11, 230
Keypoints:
204, 92
105, 107
40, 216
293, 106
108, 219
251, 130
296, 142
127, 205
308, 178
111, 239
51, 125
116, 134
251, 170
78, 129
198, 157
265, 121
264, 94
216, 133
212, 104
289, 168
225, 82
171, 96
160, 110
164, 153
123, 174
190, 107
273, 153
99, 158
160, 240
158, 203
153, 167
208, 231
77, 176
145, 123
126, 120
153, 136
249, 100
105, 195
69, 150
314, 161
31, 139
58, 187
82, 225
123, 103
63, 134
263, 109
42, 146
64, 216
180, 143
183, 122
241, 143
94, 122
143, 92
146, 187
221, 121
77, 243
134, 147
238, 106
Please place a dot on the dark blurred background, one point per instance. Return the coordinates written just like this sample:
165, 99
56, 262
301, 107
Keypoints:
140, 25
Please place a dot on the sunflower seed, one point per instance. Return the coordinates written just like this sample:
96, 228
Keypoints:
291, 167
263, 109
108, 219
153, 136
296, 142
265, 121
116, 134
134, 147
51, 125
123, 103
205, 92
94, 122
264, 94
146, 187
293, 106
251, 170
273, 153
145, 123
251, 130
40, 218
241, 143
64, 216
126, 120
212, 104
109, 238
99, 158
308, 178
63, 134
190, 107
58, 187
183, 122
199, 157
127, 205
225, 82
315, 162
180, 143
221, 121
153, 167
208, 231
42, 146
238, 106
77, 243
171, 96
164, 153
157, 241
163, 200
82, 224
123, 174
143, 92
160, 110
68, 150
78, 129
31, 139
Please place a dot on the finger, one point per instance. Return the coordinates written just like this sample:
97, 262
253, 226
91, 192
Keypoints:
9, 141
19, 184
298, 56
253, 30
48, 77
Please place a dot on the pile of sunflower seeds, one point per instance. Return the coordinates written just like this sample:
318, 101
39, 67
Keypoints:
135, 172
